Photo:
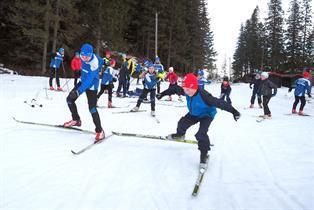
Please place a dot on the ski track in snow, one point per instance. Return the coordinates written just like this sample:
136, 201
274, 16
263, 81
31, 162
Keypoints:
265, 166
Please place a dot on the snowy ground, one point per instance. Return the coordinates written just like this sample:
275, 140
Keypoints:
265, 166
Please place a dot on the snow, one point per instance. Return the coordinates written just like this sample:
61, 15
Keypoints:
267, 165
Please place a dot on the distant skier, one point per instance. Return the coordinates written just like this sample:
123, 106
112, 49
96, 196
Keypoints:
256, 83
124, 78
201, 79
91, 65
225, 90
107, 82
265, 90
202, 108
150, 82
76, 66
56, 61
160, 72
301, 85
173, 88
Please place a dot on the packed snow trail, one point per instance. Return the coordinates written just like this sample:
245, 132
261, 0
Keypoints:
267, 165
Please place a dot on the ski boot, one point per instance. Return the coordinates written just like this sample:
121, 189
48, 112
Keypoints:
260, 106
99, 136
135, 109
252, 106
152, 113
301, 113
175, 136
59, 89
169, 98
110, 104
51, 88
158, 96
203, 160
72, 123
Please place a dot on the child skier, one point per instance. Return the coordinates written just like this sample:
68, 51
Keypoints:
265, 90
107, 82
225, 90
256, 82
55, 63
201, 79
150, 82
301, 85
91, 65
202, 108
173, 88
76, 65
124, 77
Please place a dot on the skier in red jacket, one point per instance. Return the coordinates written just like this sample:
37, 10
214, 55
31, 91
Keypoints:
76, 65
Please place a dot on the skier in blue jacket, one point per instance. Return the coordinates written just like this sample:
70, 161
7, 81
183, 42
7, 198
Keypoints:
150, 83
56, 61
91, 65
159, 68
202, 108
301, 85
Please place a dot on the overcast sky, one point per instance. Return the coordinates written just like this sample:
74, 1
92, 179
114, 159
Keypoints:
226, 18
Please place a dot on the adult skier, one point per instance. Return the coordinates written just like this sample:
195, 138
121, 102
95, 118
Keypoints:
91, 65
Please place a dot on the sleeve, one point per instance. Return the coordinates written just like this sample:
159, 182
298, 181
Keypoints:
309, 88
273, 86
213, 101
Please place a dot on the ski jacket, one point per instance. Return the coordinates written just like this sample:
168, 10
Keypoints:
56, 60
90, 74
256, 83
138, 68
150, 81
201, 83
203, 104
159, 68
124, 72
108, 76
172, 78
265, 88
226, 89
76, 64
302, 85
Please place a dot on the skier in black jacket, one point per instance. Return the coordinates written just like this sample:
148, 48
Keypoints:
265, 90
256, 83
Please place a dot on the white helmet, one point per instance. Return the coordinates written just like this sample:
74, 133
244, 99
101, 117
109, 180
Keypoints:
170, 69
265, 74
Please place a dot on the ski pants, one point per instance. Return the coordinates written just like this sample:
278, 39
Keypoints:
266, 100
92, 102
201, 136
297, 99
254, 94
226, 97
172, 89
122, 84
108, 87
54, 72
144, 95
77, 75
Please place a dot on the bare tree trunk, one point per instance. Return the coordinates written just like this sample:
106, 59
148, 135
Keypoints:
148, 44
98, 36
46, 38
56, 27
169, 46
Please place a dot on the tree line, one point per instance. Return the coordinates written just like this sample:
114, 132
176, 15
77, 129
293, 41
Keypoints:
276, 44
31, 30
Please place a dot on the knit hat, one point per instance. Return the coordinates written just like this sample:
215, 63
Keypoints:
264, 74
170, 69
87, 50
61, 50
190, 81
112, 62
306, 74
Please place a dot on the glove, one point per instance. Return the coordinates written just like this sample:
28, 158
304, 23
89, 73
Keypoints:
114, 79
272, 95
250, 86
236, 114
74, 94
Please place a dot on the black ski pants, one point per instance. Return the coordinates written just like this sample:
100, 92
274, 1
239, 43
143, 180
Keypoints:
296, 101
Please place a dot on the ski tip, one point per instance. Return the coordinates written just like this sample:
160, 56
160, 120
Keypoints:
74, 153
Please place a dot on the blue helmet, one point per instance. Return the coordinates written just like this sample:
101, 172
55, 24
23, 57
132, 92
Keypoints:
87, 50
61, 50
200, 72
157, 59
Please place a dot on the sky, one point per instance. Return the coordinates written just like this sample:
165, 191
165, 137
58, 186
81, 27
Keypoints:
226, 18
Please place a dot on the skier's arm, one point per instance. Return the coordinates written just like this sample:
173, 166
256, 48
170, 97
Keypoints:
273, 86
213, 101
87, 83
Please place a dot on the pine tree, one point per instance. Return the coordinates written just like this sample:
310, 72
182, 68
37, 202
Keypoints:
274, 30
306, 30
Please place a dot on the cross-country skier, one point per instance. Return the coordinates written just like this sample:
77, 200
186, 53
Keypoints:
56, 61
265, 90
91, 65
76, 65
225, 90
301, 85
107, 82
201, 79
202, 108
173, 88
150, 82
256, 83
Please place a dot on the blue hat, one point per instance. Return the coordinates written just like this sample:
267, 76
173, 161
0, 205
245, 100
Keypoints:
157, 59
147, 63
200, 72
150, 65
61, 50
87, 50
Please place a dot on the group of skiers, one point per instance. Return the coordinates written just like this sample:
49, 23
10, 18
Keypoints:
89, 67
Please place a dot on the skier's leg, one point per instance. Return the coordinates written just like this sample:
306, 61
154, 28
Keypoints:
202, 138
51, 76
303, 102
92, 101
102, 90
296, 101
142, 96
152, 99
186, 122
72, 105
57, 78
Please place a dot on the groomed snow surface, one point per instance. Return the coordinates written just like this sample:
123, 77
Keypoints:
264, 166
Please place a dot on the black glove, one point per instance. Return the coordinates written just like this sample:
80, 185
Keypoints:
114, 79
250, 86
236, 114
272, 95
74, 94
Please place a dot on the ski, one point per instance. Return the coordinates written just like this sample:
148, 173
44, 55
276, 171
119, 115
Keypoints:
153, 137
123, 112
157, 120
90, 146
54, 126
117, 107
304, 115
199, 179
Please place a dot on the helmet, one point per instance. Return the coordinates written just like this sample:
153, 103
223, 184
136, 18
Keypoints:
265, 74
171, 69
87, 50
200, 72
306, 74
61, 50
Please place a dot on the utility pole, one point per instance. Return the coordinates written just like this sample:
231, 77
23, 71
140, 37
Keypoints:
156, 35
